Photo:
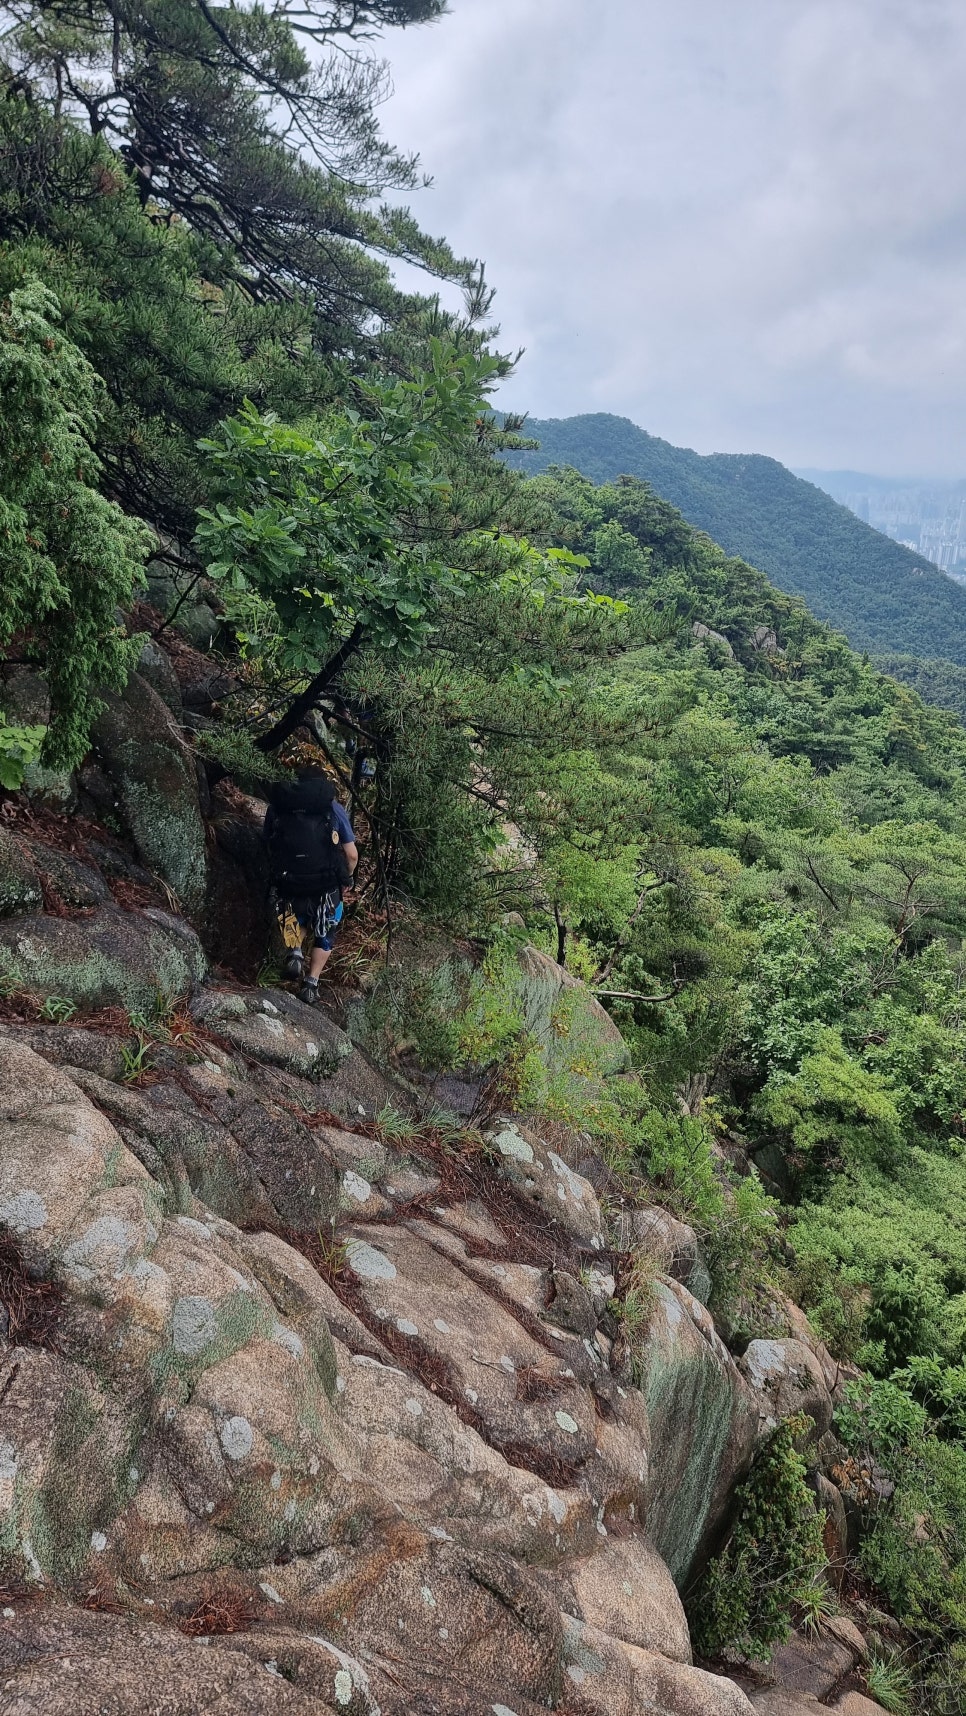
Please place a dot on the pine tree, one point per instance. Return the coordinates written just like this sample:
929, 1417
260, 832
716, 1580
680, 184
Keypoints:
68, 557
231, 120
199, 193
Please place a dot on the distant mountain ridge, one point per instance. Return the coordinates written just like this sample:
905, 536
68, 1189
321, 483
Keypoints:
884, 597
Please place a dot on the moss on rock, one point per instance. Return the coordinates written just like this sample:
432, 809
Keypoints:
113, 958
157, 788
20, 889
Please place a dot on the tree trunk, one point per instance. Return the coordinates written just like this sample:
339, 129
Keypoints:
561, 938
306, 700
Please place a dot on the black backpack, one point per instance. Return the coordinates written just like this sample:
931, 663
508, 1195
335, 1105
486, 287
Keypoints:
304, 844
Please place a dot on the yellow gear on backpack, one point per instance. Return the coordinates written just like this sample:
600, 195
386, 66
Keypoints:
292, 931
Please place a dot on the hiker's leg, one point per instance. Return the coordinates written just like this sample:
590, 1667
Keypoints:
319, 959
325, 928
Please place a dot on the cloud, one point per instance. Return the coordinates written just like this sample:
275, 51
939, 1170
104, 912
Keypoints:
740, 225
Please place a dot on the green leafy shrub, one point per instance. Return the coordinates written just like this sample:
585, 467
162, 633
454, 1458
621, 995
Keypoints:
771, 1559
913, 1549
897, 1245
675, 1151
19, 748
832, 1113
836, 1301
68, 556
740, 1244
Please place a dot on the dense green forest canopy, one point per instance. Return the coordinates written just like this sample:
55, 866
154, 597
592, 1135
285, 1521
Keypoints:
940, 682
881, 595
583, 711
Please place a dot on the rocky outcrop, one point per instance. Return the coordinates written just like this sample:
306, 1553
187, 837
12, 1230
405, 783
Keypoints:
343, 1406
704, 1422
108, 958
20, 889
813, 1671
358, 1404
172, 594
567, 1021
673, 1246
156, 787
776, 1702
706, 635
789, 1379
25, 701
69, 1662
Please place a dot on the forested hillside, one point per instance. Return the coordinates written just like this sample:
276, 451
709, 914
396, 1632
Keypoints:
256, 514
941, 683
881, 595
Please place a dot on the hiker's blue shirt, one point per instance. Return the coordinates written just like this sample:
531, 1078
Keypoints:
342, 823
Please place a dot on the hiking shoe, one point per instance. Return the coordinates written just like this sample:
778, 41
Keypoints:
309, 993
292, 969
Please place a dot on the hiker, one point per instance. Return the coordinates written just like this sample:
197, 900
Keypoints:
312, 855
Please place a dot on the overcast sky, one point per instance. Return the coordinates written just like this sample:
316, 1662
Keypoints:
738, 222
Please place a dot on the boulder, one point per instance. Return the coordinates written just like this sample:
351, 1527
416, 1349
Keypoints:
155, 668
704, 1425
781, 1701
195, 619
245, 1448
416, 1449
705, 635
788, 1379
109, 959
682, 1691
800, 1329
674, 1247
75, 884
157, 787
272, 1027
575, 1033
505, 1381
20, 889
184, 1148
813, 1664
841, 1628
626, 1590
609, 1678
63, 1168
72, 1046
455, 1630
563, 1198
25, 701
70, 1662
288, 1159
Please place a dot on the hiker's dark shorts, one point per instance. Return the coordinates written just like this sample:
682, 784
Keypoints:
323, 917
